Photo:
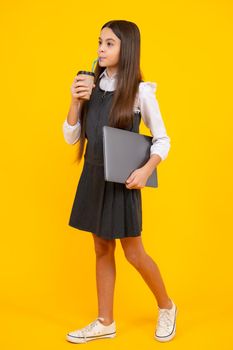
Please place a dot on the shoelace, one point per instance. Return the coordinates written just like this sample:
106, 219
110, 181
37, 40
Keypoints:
88, 328
164, 320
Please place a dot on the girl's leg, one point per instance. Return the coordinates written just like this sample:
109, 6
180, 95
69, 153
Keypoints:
105, 276
136, 255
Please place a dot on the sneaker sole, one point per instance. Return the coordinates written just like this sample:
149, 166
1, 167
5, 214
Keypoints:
171, 336
77, 340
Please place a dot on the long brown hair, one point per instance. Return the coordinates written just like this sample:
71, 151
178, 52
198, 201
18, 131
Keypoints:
129, 76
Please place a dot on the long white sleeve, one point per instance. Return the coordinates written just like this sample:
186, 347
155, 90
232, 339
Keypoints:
152, 118
71, 132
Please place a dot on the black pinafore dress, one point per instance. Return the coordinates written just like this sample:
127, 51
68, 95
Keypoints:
107, 209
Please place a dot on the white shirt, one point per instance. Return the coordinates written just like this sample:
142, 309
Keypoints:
145, 102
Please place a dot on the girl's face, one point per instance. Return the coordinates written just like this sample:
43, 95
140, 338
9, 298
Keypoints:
109, 48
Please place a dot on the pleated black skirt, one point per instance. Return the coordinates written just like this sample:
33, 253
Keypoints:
108, 209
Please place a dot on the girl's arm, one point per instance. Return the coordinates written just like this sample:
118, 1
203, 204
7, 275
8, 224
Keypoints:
71, 126
152, 118
152, 163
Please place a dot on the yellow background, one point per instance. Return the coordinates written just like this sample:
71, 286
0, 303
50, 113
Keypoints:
48, 268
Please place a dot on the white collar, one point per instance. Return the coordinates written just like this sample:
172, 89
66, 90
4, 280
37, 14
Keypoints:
107, 76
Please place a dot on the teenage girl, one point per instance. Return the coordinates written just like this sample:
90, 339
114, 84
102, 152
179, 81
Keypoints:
109, 210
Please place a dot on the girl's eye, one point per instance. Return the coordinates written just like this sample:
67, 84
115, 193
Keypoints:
108, 43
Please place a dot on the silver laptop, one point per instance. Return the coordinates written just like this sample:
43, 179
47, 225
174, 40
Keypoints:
125, 151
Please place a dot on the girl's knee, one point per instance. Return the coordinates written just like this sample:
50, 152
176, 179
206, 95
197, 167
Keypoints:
133, 250
104, 246
135, 258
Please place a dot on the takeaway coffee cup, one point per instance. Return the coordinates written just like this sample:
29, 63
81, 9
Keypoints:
89, 79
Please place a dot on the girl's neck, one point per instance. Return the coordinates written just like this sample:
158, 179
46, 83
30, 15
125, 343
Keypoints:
111, 72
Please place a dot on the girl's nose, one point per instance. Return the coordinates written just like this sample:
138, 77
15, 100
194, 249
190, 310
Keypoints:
100, 47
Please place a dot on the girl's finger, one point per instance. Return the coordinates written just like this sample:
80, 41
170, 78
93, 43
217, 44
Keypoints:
80, 84
81, 90
81, 94
79, 78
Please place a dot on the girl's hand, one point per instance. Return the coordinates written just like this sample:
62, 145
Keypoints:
80, 88
137, 179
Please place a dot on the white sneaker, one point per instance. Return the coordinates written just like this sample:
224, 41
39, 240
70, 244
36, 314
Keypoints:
94, 330
166, 325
